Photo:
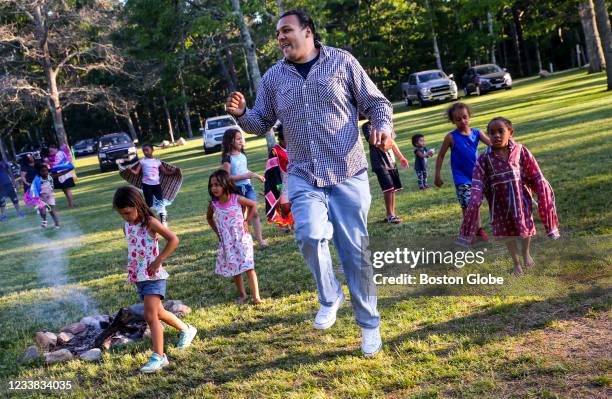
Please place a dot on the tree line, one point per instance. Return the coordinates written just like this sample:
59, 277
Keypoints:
157, 69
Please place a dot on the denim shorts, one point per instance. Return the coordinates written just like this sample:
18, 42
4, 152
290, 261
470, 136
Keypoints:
248, 191
151, 287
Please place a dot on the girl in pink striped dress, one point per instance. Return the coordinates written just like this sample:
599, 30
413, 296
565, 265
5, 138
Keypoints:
225, 217
507, 174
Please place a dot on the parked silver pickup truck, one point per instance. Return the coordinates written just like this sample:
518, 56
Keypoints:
429, 86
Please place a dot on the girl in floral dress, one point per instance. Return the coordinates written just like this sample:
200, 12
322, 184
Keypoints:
507, 174
225, 217
145, 270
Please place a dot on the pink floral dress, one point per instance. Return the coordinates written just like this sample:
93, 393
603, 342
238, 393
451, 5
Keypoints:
235, 253
508, 187
142, 250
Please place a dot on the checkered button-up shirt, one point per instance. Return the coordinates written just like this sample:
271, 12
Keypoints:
320, 115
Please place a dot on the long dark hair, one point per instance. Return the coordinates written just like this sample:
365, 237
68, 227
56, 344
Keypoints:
227, 145
223, 178
129, 197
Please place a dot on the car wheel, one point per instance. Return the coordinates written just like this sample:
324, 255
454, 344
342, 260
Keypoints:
408, 102
207, 150
422, 103
508, 87
102, 169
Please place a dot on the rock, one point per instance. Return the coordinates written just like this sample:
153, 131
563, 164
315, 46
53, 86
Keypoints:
137, 309
106, 344
165, 144
74, 328
62, 355
544, 73
96, 321
30, 354
64, 337
181, 141
121, 340
46, 340
177, 307
92, 355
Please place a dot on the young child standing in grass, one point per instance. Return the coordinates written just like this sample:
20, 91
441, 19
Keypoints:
421, 153
145, 269
7, 189
151, 185
506, 174
41, 196
463, 142
234, 162
225, 217
383, 164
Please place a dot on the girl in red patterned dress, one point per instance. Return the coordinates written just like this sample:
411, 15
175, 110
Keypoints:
507, 174
225, 217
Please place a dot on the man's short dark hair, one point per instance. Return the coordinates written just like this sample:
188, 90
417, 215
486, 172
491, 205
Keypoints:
305, 21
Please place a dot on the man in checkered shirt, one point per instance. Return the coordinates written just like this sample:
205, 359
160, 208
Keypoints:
317, 93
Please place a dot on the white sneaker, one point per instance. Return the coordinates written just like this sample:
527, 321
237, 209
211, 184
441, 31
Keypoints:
371, 343
326, 316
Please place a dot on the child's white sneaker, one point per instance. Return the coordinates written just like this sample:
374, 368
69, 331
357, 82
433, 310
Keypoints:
326, 316
155, 363
43, 224
371, 343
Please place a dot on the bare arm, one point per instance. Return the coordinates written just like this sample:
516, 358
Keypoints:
398, 153
235, 178
135, 169
250, 205
211, 220
484, 138
446, 144
172, 241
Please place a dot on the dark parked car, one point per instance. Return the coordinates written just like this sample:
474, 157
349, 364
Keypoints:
116, 148
484, 78
85, 147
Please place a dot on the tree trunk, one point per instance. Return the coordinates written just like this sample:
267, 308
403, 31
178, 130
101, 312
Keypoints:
186, 111
131, 129
591, 36
538, 56
229, 57
433, 34
515, 41
53, 101
279, 5
225, 71
13, 149
3, 151
517, 15
491, 36
248, 44
138, 125
605, 34
168, 119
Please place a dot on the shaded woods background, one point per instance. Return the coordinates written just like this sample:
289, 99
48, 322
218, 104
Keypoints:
82, 68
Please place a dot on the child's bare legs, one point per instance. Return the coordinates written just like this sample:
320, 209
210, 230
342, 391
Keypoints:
513, 249
389, 202
242, 297
252, 279
257, 227
53, 215
69, 197
154, 312
525, 246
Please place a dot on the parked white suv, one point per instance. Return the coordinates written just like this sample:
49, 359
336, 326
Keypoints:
213, 131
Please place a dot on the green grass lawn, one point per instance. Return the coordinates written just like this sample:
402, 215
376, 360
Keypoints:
553, 343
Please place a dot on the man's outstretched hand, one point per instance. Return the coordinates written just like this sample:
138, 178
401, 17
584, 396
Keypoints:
236, 104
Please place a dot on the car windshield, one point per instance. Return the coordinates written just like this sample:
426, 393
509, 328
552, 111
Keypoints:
485, 70
219, 123
83, 143
426, 77
115, 140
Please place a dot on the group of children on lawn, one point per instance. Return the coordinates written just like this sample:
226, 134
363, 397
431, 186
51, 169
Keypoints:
506, 174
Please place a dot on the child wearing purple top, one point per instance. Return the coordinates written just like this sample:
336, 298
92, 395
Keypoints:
463, 142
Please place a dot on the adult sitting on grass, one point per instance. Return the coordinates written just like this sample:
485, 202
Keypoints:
317, 93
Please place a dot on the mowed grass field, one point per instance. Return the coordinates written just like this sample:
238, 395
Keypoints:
553, 343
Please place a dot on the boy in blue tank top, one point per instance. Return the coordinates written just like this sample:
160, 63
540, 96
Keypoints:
463, 142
